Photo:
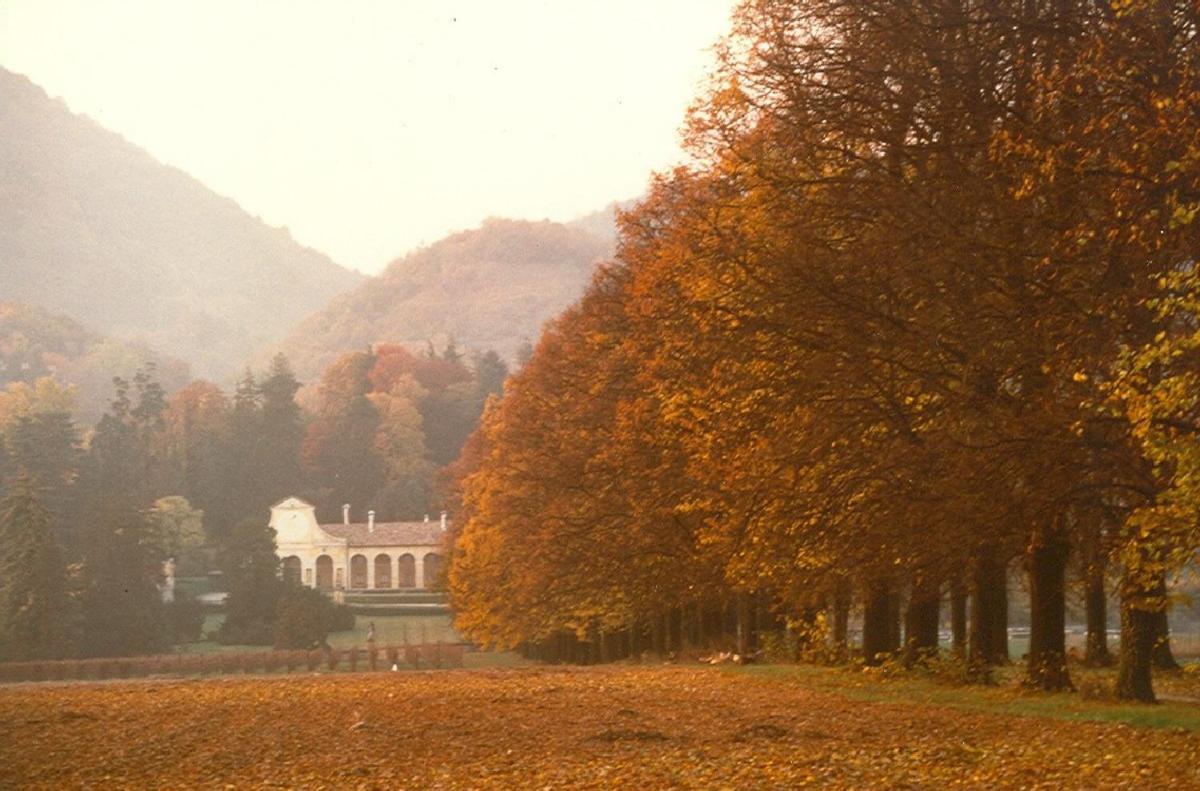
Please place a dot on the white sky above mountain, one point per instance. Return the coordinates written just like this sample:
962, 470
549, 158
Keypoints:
370, 127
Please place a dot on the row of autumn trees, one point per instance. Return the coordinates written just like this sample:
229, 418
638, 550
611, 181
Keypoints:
922, 313
88, 517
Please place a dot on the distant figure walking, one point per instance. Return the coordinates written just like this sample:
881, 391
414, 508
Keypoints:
371, 632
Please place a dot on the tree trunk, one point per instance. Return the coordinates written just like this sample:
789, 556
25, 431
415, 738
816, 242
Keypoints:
876, 641
1135, 657
921, 622
988, 636
756, 622
999, 628
1046, 668
841, 621
742, 628
1163, 658
1097, 653
958, 618
895, 622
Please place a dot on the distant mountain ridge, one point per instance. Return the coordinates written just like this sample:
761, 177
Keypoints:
94, 227
488, 288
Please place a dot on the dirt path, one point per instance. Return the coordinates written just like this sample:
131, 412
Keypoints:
551, 728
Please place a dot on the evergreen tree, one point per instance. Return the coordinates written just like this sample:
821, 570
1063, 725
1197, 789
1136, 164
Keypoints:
490, 373
280, 438
37, 619
122, 605
123, 613
44, 447
251, 573
245, 419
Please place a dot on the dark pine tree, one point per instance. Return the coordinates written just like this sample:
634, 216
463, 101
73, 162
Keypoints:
280, 438
37, 619
122, 607
251, 574
45, 448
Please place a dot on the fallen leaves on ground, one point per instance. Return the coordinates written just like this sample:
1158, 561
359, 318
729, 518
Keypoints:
633, 727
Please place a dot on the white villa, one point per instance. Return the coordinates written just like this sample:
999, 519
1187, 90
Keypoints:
362, 555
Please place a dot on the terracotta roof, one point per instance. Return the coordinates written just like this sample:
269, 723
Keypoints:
415, 534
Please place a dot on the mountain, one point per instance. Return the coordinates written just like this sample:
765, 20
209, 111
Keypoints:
35, 343
603, 223
94, 227
488, 288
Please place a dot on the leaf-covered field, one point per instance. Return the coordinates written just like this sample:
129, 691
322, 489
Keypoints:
634, 727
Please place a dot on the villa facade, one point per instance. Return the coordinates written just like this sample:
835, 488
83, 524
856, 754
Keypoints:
356, 556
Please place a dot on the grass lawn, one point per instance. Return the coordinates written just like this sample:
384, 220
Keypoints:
389, 630
1005, 697
616, 726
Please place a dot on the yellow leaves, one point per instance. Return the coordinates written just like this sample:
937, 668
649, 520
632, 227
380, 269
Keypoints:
613, 727
22, 399
1184, 215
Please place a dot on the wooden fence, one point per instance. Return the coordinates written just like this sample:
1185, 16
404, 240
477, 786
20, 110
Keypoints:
419, 657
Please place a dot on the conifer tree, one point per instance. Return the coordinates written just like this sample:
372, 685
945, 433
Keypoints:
250, 570
122, 606
37, 619
44, 447
280, 437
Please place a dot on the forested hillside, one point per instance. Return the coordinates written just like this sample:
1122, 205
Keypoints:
36, 343
488, 288
94, 227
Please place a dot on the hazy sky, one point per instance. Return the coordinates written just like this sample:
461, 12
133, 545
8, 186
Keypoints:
370, 127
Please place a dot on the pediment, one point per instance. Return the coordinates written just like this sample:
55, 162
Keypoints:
295, 524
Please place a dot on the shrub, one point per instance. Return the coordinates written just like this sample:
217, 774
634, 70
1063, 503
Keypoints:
185, 617
257, 632
305, 617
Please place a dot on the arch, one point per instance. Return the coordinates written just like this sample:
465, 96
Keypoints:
358, 571
433, 569
407, 578
292, 569
383, 571
325, 572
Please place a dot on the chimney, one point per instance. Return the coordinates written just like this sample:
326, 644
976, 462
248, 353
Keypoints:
443, 520
346, 514
370, 521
